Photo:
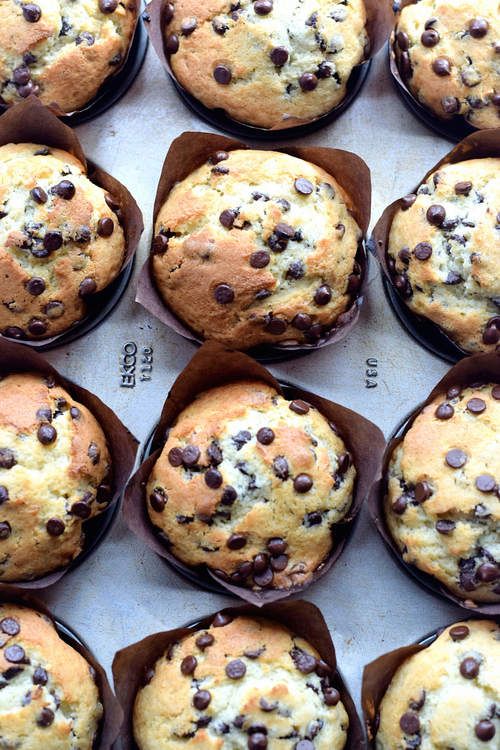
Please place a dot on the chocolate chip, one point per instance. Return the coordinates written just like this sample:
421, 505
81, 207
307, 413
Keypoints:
254, 653
52, 241
39, 195
223, 75
308, 81
37, 327
409, 723
175, 457
276, 326
45, 717
423, 492
40, 676
105, 227
14, 654
265, 436
485, 730
263, 7
87, 287
436, 215
450, 104
430, 38
302, 322
204, 641
476, 406
399, 505
94, 453
10, 626
35, 286
7, 458
5, 530
469, 668
263, 579
257, 741
495, 392
266, 706
280, 467
21, 77
190, 455
491, 335
172, 44
31, 12
228, 496
213, 479
279, 563
188, 665
441, 66
303, 186
224, 294
454, 391
463, 188
445, 527
46, 434
85, 36
488, 572
331, 696
302, 483
188, 26
4, 494
299, 406
221, 619
158, 499
323, 295
407, 202
279, 56
236, 669
423, 251
444, 411
236, 541
403, 41
214, 453
485, 483
260, 259
456, 458
478, 28
453, 278
55, 527
81, 510
64, 189
305, 663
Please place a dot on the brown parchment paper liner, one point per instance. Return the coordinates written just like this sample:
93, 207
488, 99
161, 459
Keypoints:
122, 444
31, 122
112, 719
300, 617
214, 365
190, 150
478, 368
380, 20
480, 145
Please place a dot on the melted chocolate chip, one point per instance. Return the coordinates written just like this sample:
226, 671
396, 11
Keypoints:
5, 530
190, 455
14, 654
280, 468
445, 526
476, 406
158, 499
10, 626
40, 676
305, 663
409, 723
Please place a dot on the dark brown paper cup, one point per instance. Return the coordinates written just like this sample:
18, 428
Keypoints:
215, 365
188, 152
31, 122
302, 618
478, 145
380, 20
112, 719
479, 368
122, 445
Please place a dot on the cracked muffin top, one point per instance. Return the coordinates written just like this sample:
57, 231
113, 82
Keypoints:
442, 506
62, 50
449, 56
251, 485
54, 474
268, 63
48, 695
60, 240
257, 247
448, 695
242, 683
444, 252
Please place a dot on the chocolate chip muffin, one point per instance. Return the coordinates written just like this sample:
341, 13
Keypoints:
54, 474
257, 247
251, 485
49, 698
60, 240
62, 51
442, 506
444, 252
243, 683
449, 56
448, 695
291, 58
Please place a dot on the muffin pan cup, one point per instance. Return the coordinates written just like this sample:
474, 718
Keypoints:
479, 145
113, 88
380, 20
476, 369
122, 445
188, 152
453, 128
214, 365
377, 677
112, 719
31, 122
131, 664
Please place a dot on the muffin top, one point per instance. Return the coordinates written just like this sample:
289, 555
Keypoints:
448, 695
292, 58
48, 696
243, 683
257, 247
251, 484
444, 252
442, 505
62, 51
54, 474
60, 241
449, 56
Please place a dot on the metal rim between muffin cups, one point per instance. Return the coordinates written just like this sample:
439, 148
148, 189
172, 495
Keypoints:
453, 128
114, 87
31, 122
379, 23
215, 365
479, 368
478, 145
300, 617
191, 150
112, 721
122, 446
378, 674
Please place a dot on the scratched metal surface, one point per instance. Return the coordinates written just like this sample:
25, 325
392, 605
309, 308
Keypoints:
124, 592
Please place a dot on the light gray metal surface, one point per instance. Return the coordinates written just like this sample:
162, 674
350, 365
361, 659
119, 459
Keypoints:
124, 592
